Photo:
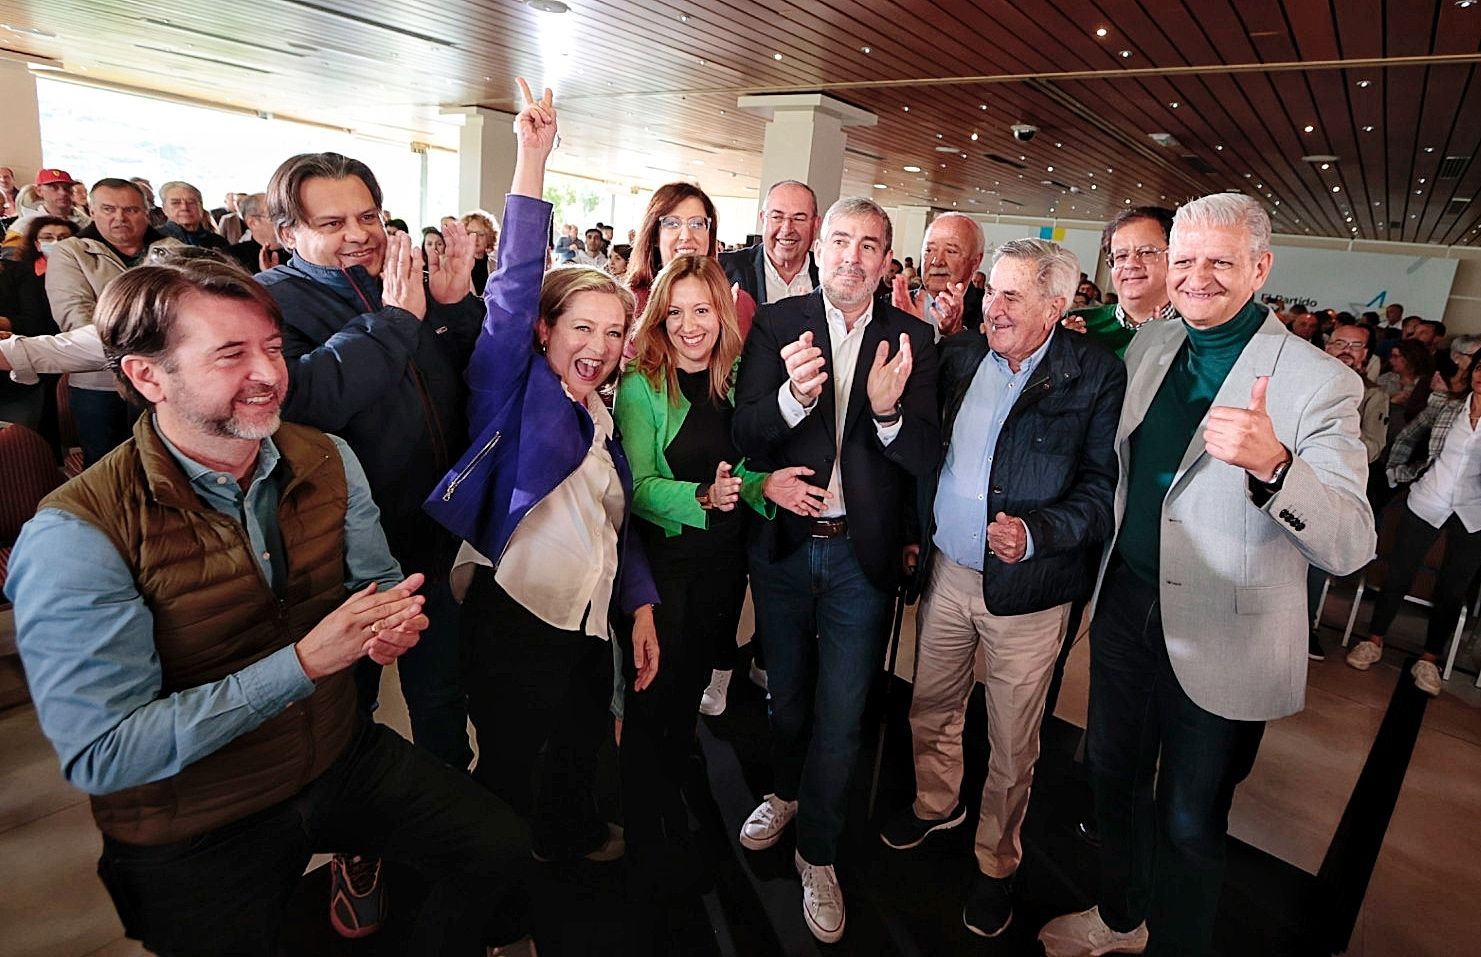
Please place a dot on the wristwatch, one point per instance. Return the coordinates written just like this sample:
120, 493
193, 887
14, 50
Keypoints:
889, 418
1278, 477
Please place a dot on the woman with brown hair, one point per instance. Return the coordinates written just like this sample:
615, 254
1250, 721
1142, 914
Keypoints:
680, 221
692, 495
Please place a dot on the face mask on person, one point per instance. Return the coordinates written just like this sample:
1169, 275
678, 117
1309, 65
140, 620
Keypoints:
47, 245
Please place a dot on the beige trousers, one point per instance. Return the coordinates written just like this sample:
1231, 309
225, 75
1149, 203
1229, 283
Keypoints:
1019, 652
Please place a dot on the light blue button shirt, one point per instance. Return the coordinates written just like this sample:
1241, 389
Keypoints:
962, 492
86, 636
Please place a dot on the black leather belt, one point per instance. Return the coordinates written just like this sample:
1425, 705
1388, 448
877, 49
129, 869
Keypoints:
828, 527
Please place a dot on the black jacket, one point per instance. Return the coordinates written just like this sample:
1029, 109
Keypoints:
390, 386
748, 267
1054, 466
876, 477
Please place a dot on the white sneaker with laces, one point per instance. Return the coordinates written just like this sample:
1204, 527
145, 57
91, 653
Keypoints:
1086, 935
765, 825
712, 702
822, 900
1426, 677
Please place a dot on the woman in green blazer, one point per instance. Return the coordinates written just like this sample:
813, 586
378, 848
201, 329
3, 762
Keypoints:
692, 497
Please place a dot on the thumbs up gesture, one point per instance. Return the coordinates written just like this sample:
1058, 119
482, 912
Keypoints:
1245, 437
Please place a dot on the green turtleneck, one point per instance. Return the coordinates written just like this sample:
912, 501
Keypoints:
1159, 443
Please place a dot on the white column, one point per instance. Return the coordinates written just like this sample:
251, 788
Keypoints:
22, 122
910, 224
805, 140
486, 147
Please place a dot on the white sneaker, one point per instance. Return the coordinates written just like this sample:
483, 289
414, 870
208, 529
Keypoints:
1086, 935
712, 702
765, 825
1426, 677
758, 677
1364, 655
822, 900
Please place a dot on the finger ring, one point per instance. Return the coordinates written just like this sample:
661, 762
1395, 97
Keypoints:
375, 627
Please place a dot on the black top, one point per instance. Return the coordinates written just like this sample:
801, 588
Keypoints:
703, 441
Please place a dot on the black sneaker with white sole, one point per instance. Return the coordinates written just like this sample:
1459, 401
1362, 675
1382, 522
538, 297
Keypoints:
905, 830
1314, 647
989, 908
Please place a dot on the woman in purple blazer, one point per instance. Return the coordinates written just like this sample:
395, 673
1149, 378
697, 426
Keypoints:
542, 500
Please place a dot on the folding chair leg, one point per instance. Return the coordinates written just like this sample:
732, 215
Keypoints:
1352, 616
1316, 620
1460, 629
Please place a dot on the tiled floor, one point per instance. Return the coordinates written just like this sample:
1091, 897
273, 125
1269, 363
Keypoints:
1421, 902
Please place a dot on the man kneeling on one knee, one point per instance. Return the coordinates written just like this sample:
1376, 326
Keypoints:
1017, 515
188, 611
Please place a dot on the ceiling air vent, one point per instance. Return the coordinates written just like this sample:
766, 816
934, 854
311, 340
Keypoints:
1453, 167
1457, 205
1003, 160
1198, 164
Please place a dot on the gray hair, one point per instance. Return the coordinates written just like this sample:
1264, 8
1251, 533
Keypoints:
860, 206
1464, 345
254, 205
1056, 269
791, 182
181, 184
1226, 210
979, 241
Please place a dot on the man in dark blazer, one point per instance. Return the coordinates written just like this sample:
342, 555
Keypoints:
846, 387
1013, 525
950, 253
782, 264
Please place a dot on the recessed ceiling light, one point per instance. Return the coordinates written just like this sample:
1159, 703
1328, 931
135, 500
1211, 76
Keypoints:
1174, 104
867, 49
776, 56
1093, 186
1049, 169
1101, 31
880, 186
974, 137
1419, 192
1421, 181
1308, 128
1326, 166
911, 169
1336, 189
1465, 3
1429, 149
1367, 129
1364, 84
940, 136
683, 18
905, 108
1219, 148
548, 6
1125, 54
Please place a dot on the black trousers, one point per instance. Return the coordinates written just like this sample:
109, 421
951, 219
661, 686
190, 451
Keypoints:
701, 579
1457, 571
538, 698
1162, 854
225, 892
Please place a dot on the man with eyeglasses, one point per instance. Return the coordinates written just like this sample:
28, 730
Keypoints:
1351, 344
781, 265
1135, 245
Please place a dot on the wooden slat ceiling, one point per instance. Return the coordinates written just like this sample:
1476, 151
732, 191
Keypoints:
648, 91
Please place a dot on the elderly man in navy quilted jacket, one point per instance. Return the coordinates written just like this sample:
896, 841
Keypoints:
1013, 528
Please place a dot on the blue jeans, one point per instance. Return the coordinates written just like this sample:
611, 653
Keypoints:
103, 420
823, 625
1162, 855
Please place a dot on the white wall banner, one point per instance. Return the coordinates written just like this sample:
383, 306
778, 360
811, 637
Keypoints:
1358, 281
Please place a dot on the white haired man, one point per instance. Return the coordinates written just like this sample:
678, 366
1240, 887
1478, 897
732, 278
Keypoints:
1241, 464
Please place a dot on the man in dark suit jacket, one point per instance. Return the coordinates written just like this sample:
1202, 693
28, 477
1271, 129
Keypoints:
1013, 526
950, 254
782, 264
818, 388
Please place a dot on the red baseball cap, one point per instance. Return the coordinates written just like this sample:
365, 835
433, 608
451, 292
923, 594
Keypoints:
47, 177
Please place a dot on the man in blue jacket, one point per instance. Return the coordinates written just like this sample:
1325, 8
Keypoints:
1014, 521
348, 286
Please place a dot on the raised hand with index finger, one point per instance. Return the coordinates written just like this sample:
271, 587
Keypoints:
535, 126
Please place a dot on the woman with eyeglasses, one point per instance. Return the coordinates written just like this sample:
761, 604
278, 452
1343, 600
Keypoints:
680, 221
1444, 499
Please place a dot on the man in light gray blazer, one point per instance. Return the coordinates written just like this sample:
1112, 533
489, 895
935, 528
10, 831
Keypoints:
1241, 464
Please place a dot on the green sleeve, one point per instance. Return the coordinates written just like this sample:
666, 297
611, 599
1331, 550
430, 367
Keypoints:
752, 486
663, 501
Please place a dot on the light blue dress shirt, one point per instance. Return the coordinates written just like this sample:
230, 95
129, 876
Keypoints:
961, 494
86, 636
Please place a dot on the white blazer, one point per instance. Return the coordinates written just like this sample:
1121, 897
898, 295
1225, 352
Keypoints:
1233, 575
